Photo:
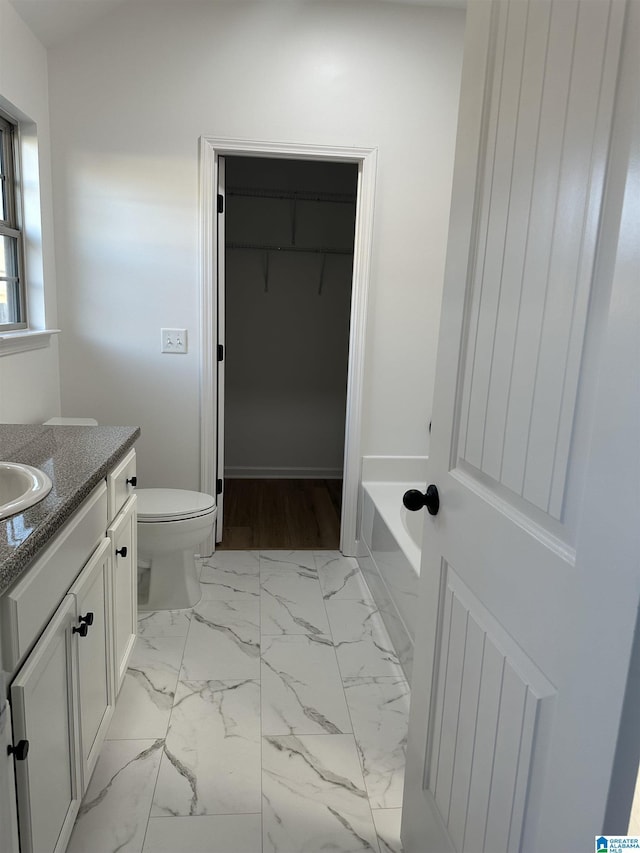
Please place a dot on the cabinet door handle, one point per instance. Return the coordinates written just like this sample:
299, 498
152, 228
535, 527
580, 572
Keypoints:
133, 481
88, 619
83, 630
20, 750
122, 552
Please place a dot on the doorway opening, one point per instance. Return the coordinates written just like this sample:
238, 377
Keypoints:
283, 321
265, 263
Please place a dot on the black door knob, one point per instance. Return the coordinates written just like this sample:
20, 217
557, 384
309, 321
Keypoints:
83, 629
20, 750
122, 552
415, 500
133, 481
88, 619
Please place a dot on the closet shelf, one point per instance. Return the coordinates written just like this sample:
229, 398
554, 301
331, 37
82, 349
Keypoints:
322, 250
296, 195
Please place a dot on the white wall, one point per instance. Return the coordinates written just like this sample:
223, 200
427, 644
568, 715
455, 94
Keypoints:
29, 381
287, 326
128, 103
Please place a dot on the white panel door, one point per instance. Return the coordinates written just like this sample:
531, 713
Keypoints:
518, 683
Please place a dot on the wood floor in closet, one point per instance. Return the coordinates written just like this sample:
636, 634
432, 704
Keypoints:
281, 514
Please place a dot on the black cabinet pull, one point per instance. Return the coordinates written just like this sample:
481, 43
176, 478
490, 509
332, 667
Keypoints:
20, 750
415, 500
122, 552
83, 630
133, 481
88, 619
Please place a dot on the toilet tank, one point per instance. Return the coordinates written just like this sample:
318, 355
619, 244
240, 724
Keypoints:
71, 422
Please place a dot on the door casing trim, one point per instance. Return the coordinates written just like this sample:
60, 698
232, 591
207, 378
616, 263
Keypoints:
366, 159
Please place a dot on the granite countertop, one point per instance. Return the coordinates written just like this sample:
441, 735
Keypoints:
76, 458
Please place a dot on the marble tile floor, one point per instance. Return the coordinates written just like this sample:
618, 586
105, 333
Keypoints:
272, 718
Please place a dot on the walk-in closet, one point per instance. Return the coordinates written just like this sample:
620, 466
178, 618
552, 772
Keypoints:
289, 234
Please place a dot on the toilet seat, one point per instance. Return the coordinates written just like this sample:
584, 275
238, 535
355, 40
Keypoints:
165, 505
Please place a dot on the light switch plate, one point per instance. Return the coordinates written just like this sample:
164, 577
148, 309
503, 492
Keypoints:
174, 340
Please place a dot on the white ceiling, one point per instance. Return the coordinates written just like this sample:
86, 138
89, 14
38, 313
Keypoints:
53, 21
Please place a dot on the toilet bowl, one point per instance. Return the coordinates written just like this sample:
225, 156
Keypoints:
171, 525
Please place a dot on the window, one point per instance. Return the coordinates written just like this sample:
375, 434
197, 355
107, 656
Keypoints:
12, 291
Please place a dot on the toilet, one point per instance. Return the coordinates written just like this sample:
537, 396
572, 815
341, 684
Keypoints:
172, 523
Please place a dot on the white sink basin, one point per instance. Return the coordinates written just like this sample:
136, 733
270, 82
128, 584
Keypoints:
21, 486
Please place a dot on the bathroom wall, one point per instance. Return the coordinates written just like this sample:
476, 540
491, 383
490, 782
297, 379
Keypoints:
29, 381
287, 318
128, 102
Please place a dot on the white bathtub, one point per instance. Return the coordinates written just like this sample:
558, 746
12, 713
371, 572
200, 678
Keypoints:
390, 546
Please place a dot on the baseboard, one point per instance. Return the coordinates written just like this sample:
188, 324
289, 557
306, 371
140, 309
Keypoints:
244, 473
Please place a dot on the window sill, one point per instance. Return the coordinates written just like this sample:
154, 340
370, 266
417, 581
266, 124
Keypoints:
21, 341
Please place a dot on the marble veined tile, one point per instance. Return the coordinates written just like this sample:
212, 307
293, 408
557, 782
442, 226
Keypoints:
361, 640
227, 833
340, 577
223, 641
313, 796
164, 623
114, 811
144, 704
400, 639
291, 598
211, 760
379, 709
230, 575
387, 823
396, 629
243, 562
296, 560
301, 686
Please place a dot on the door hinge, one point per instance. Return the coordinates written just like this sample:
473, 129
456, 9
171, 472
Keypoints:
220, 203
220, 352
218, 487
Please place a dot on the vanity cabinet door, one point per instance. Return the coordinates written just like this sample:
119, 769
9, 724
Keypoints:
124, 549
44, 715
8, 814
93, 630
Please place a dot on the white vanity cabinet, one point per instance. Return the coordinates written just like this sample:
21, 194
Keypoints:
62, 702
67, 631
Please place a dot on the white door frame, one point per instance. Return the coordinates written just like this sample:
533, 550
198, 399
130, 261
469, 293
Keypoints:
365, 158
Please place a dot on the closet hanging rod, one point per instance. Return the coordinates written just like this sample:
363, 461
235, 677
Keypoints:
298, 195
322, 250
